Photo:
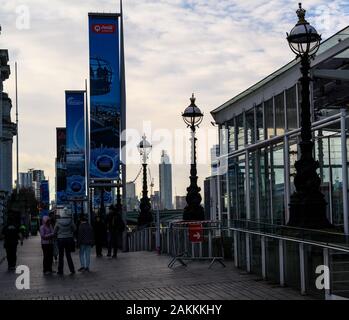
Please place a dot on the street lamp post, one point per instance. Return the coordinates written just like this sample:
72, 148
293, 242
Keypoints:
192, 117
118, 196
145, 217
307, 204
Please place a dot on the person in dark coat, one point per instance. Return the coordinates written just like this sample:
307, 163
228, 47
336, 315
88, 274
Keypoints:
85, 243
100, 233
11, 238
64, 231
116, 227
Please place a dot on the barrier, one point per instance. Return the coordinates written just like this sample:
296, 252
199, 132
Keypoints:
196, 240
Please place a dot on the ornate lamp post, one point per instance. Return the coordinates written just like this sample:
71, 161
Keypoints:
192, 117
145, 217
307, 204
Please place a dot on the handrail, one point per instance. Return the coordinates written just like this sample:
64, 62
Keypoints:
314, 243
282, 226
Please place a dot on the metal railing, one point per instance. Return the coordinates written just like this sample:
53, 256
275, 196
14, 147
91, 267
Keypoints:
293, 256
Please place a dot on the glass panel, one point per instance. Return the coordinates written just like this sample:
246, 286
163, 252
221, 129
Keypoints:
264, 185
250, 126
256, 256
231, 133
314, 257
291, 107
292, 271
241, 180
242, 250
260, 125
279, 114
278, 184
253, 184
237, 187
269, 119
240, 131
272, 260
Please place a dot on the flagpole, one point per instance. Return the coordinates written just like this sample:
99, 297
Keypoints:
87, 154
17, 138
123, 119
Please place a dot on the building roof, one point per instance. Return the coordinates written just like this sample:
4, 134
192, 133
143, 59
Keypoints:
325, 45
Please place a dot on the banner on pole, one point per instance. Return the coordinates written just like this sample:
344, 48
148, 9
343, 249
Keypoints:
61, 169
104, 96
75, 145
44, 198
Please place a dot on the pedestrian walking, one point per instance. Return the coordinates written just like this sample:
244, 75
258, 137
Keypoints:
85, 243
47, 235
116, 228
64, 231
53, 219
11, 237
100, 233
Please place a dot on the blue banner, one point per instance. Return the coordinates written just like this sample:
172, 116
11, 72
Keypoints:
104, 96
75, 145
44, 198
61, 170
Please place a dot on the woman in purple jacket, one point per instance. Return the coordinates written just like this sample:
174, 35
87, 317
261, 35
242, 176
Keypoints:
46, 233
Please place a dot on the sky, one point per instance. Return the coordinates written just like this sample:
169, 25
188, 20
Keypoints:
173, 48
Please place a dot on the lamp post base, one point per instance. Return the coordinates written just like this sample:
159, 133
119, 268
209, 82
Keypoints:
194, 211
308, 211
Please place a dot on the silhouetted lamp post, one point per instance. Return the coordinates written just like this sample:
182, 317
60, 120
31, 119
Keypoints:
307, 204
145, 217
193, 117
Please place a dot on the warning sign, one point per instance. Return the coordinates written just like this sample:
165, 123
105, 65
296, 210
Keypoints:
195, 233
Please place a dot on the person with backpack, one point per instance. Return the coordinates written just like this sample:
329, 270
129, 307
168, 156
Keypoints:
64, 231
85, 243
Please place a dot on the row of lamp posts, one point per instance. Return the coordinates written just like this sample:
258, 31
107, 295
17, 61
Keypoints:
307, 203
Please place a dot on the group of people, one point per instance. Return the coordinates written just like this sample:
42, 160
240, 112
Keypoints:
58, 234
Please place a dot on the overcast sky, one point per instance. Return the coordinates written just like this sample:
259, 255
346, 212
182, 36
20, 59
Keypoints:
173, 48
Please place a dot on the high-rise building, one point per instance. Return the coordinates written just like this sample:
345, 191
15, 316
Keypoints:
181, 202
165, 177
155, 201
8, 130
214, 159
25, 180
131, 198
38, 175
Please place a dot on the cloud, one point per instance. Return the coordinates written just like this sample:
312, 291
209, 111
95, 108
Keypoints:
173, 48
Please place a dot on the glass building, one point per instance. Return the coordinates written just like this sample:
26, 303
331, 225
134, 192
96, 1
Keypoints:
259, 133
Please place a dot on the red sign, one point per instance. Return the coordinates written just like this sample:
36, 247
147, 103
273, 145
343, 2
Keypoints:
195, 233
103, 28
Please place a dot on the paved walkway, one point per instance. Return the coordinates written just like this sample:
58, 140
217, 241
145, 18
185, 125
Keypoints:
138, 276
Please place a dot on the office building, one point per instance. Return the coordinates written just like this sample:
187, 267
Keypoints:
260, 130
165, 180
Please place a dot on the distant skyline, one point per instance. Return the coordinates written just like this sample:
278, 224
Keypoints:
173, 48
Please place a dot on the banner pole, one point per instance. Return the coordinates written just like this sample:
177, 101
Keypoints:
87, 154
123, 121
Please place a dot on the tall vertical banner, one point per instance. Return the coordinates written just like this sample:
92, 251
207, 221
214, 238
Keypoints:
61, 169
44, 198
104, 96
75, 145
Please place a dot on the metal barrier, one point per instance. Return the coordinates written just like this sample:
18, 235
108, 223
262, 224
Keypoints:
196, 240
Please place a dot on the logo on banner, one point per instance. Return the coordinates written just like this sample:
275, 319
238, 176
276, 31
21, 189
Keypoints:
74, 102
103, 28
